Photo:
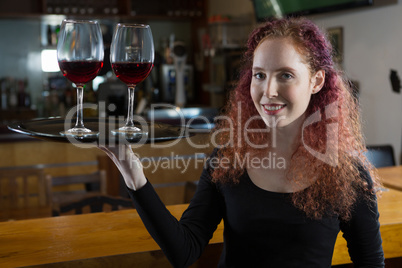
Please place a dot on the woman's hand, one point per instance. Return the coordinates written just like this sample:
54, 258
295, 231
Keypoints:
128, 164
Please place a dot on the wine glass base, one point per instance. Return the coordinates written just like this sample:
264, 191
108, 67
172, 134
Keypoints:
80, 133
130, 132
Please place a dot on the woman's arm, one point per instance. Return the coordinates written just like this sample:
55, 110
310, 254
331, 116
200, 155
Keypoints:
181, 241
362, 231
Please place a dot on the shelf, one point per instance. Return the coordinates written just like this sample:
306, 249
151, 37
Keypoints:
122, 9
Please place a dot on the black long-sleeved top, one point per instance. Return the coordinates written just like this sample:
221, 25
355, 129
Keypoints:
261, 228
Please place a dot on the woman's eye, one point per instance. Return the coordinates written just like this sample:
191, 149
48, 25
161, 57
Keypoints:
286, 76
259, 75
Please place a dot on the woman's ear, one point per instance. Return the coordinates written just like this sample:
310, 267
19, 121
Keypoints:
317, 81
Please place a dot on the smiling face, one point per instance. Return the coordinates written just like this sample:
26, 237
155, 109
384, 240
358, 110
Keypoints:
282, 83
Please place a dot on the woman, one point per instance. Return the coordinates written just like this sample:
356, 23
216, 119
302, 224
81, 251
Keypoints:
288, 173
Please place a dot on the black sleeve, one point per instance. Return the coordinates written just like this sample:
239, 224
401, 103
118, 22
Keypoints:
181, 241
362, 231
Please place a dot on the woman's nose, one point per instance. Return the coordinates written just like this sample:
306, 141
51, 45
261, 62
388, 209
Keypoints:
271, 89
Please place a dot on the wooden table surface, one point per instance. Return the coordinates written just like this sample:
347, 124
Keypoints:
119, 239
82, 237
391, 177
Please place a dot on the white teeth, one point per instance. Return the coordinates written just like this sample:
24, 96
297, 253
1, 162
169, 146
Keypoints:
273, 108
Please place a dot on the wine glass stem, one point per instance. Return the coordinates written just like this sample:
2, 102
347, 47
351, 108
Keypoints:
130, 115
80, 96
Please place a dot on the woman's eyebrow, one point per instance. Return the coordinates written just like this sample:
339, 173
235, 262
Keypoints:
286, 68
280, 69
257, 68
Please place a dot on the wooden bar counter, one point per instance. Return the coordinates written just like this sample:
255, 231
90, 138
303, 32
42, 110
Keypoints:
119, 239
112, 239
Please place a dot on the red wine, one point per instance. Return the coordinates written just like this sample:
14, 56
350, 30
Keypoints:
132, 73
80, 72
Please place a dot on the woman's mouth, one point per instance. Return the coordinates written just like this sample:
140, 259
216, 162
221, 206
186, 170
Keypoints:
272, 109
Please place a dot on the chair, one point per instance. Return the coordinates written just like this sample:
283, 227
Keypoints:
99, 203
92, 184
23, 194
381, 155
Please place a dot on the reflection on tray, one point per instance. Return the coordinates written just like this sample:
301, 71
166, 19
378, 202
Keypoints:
49, 129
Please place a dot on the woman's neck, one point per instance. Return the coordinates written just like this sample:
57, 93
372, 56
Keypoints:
285, 140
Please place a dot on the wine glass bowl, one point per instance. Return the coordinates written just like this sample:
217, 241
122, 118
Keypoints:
80, 72
132, 58
80, 56
132, 73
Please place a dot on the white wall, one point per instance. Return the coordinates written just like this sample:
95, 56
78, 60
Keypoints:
372, 47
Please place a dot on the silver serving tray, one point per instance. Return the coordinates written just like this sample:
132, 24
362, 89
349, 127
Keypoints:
50, 128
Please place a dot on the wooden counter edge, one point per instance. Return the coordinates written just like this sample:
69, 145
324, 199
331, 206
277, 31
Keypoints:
391, 235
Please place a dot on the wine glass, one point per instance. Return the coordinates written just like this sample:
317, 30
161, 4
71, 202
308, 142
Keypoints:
80, 56
132, 58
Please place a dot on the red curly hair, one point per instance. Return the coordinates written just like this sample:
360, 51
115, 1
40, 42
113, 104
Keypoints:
335, 134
